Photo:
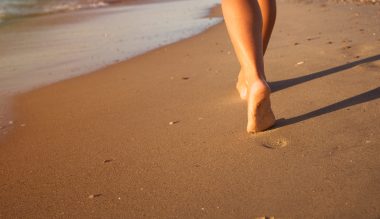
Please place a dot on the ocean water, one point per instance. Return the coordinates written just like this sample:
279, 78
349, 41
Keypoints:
17, 8
38, 50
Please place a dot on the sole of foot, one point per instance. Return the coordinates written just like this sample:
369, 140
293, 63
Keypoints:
260, 114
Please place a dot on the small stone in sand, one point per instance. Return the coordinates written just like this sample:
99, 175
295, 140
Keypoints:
94, 196
185, 78
10, 122
173, 122
300, 63
312, 38
108, 161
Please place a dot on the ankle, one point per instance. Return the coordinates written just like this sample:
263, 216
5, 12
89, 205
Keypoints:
252, 76
259, 87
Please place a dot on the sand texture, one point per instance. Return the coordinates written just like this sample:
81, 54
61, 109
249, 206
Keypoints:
163, 135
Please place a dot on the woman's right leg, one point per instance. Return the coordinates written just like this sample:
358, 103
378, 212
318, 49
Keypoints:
268, 11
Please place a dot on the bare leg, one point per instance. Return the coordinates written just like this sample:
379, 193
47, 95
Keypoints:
244, 23
268, 12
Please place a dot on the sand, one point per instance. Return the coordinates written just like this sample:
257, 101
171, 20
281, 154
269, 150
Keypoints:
163, 135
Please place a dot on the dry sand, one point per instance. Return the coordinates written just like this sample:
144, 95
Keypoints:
163, 135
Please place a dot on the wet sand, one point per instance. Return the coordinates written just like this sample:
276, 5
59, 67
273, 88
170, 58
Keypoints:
163, 135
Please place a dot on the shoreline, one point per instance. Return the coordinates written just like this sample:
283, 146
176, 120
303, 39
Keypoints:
162, 134
67, 35
9, 18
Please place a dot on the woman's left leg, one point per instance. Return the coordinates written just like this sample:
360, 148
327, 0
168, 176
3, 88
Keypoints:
268, 10
244, 23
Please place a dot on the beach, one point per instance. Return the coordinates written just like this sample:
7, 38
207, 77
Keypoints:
162, 135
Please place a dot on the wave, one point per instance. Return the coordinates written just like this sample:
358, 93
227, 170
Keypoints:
19, 8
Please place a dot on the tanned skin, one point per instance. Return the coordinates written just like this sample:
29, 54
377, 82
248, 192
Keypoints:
250, 24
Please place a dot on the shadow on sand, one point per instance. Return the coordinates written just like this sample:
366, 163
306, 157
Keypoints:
358, 99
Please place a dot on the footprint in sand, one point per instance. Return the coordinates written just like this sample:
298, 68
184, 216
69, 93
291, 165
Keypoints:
274, 143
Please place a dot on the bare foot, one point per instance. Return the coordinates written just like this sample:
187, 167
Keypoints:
260, 115
241, 86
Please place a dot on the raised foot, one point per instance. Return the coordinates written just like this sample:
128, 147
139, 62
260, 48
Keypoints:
260, 115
